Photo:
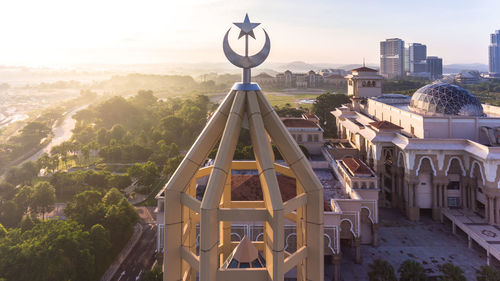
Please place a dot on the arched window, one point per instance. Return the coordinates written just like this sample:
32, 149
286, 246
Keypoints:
363, 83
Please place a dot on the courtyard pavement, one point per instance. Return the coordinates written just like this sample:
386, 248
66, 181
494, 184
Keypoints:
428, 242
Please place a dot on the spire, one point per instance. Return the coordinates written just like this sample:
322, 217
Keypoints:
364, 62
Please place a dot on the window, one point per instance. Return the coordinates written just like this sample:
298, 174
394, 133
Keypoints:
454, 202
363, 83
309, 138
316, 138
453, 185
299, 138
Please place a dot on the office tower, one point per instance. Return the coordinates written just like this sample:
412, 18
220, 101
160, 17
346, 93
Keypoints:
494, 54
407, 60
392, 57
417, 55
434, 66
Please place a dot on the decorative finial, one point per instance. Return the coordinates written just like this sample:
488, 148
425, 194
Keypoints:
246, 62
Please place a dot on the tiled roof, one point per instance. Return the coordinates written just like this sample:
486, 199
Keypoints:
248, 188
364, 69
385, 125
356, 166
298, 123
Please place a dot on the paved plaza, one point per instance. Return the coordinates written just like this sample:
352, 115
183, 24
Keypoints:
428, 242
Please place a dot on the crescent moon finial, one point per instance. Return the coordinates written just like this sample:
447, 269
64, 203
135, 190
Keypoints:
246, 62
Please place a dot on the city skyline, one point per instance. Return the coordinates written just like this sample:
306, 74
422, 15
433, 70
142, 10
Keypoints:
59, 33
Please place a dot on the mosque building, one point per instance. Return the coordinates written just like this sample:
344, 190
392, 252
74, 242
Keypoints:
436, 153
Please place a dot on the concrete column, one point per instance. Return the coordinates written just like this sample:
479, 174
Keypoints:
357, 246
435, 209
439, 196
445, 196
462, 194
410, 195
473, 198
394, 194
375, 234
488, 257
453, 228
495, 210
414, 186
491, 211
469, 242
336, 267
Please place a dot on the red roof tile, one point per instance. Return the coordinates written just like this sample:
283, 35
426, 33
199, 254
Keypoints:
356, 166
248, 188
385, 125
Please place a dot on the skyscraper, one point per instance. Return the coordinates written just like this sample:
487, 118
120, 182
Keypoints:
392, 63
417, 55
494, 54
434, 66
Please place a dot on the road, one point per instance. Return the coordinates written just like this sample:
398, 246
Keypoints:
61, 133
142, 256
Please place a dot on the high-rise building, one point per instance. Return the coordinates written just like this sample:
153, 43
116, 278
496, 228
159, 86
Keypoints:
407, 60
434, 66
392, 62
417, 54
494, 54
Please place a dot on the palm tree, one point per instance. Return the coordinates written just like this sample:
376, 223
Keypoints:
411, 270
488, 273
451, 273
381, 270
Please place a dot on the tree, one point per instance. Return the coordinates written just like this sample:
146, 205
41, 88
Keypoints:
119, 181
411, 270
154, 274
144, 173
102, 136
323, 106
53, 249
7, 191
171, 165
113, 197
487, 273
451, 272
27, 223
44, 197
381, 270
23, 197
3, 231
117, 132
99, 238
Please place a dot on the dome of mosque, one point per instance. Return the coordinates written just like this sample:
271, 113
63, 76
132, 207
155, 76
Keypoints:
445, 99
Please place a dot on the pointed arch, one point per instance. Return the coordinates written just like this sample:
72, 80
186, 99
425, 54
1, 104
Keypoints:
474, 163
351, 228
420, 163
401, 157
459, 162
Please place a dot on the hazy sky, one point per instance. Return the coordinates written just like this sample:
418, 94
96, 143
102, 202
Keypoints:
68, 32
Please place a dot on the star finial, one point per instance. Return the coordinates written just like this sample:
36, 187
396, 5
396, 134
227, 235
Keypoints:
246, 27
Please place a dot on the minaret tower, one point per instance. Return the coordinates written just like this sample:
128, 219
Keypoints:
185, 256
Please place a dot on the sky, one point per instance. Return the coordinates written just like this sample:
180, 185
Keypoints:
78, 32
